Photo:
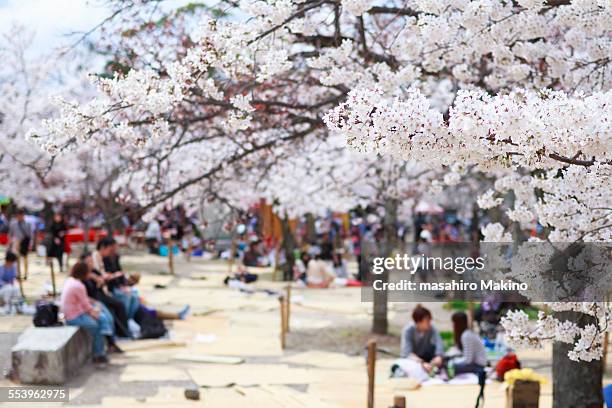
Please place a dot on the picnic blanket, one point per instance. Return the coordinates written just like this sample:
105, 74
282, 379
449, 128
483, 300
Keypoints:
413, 369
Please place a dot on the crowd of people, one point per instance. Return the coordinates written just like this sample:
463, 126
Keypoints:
102, 298
23, 231
323, 245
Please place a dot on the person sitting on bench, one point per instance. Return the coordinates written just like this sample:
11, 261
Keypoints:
80, 311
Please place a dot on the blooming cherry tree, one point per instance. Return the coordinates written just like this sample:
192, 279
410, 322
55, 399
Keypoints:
519, 91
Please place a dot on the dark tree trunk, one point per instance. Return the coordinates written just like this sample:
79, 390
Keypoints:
112, 215
311, 234
380, 323
388, 244
575, 384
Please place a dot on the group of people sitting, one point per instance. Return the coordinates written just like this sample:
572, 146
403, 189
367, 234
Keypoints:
319, 271
100, 297
422, 349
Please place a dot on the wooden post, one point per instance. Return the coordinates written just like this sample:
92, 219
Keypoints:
171, 256
399, 401
20, 280
232, 255
288, 308
606, 342
283, 318
371, 371
53, 278
25, 264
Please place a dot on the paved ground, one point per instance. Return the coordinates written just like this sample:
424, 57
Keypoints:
322, 365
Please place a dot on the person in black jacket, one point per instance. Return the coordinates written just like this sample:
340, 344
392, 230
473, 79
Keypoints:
56, 235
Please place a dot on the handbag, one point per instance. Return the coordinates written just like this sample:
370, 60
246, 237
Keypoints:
46, 314
152, 327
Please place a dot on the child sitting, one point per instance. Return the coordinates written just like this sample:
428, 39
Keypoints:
9, 292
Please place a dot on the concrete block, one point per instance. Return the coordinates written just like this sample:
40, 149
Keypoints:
50, 355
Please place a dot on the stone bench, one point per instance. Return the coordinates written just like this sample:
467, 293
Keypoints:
50, 355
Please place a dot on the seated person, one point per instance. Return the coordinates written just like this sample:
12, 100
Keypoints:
421, 341
240, 279
243, 275
79, 310
112, 273
251, 256
98, 290
340, 269
318, 273
112, 266
327, 248
8, 272
474, 355
301, 264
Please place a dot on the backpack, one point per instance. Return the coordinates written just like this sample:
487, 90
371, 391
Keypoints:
46, 314
152, 327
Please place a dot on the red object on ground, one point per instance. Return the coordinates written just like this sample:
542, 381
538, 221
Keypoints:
508, 362
353, 283
75, 235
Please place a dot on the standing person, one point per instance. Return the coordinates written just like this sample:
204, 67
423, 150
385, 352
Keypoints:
474, 355
57, 240
8, 272
79, 311
20, 238
421, 341
153, 236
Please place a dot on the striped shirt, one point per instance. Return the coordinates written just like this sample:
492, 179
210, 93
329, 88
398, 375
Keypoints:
473, 350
